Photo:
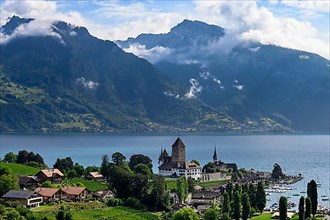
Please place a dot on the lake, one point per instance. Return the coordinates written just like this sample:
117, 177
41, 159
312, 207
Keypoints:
305, 154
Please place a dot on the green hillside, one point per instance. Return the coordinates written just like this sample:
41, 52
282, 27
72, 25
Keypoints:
20, 169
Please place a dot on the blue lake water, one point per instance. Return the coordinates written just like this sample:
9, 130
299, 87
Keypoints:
306, 154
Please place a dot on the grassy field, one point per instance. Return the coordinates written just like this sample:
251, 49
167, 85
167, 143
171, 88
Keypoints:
268, 216
89, 184
20, 169
94, 211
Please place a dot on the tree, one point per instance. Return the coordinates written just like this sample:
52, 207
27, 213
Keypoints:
185, 214
226, 203
191, 184
121, 179
60, 215
283, 208
260, 197
301, 208
31, 156
72, 174
229, 190
47, 184
277, 172
252, 195
92, 169
68, 216
225, 216
209, 168
182, 188
237, 206
196, 162
65, 164
79, 169
140, 159
312, 194
105, 166
159, 199
8, 180
38, 158
211, 214
22, 157
245, 206
10, 157
142, 169
308, 210
118, 158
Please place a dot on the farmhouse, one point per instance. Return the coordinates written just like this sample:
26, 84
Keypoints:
96, 176
177, 165
28, 182
23, 197
52, 175
74, 193
48, 194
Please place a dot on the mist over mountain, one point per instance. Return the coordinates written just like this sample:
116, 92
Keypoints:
250, 82
57, 77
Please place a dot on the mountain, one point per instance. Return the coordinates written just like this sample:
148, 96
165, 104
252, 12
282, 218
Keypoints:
57, 77
252, 83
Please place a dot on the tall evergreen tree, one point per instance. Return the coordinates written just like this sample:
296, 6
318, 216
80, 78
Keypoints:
182, 188
308, 210
226, 203
260, 197
245, 206
237, 206
312, 194
301, 208
252, 195
283, 208
229, 190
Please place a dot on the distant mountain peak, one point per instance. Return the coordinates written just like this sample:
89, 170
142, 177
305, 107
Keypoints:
13, 23
199, 26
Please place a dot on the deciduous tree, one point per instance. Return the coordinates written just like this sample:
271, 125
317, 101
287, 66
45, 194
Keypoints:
185, 214
211, 214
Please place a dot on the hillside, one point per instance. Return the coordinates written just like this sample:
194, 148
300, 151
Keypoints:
253, 83
68, 80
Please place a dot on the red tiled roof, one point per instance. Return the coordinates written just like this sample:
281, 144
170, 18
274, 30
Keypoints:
50, 172
46, 192
96, 174
70, 190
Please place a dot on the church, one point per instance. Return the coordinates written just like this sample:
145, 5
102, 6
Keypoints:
177, 165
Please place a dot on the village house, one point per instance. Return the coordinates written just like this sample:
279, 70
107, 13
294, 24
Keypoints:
28, 182
202, 200
25, 198
177, 165
52, 175
96, 176
104, 194
48, 194
74, 193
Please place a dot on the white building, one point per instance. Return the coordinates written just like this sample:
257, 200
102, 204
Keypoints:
177, 165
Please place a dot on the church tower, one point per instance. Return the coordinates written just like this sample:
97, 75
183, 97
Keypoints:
215, 156
178, 152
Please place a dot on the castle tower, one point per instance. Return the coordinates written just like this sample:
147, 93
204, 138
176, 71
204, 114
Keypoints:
215, 156
178, 152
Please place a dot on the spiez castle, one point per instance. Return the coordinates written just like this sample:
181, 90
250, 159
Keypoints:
177, 165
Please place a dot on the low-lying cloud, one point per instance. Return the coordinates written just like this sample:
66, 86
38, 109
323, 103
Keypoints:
195, 88
87, 84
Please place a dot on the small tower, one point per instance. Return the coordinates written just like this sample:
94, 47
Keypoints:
215, 156
163, 157
178, 152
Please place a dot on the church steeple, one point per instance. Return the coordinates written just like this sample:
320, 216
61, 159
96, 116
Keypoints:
215, 156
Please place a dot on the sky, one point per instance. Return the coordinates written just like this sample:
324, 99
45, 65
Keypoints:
302, 25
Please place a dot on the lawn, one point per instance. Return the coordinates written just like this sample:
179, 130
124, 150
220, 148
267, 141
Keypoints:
89, 184
94, 210
20, 169
268, 216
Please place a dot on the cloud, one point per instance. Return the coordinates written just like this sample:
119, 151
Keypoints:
152, 55
318, 6
250, 22
206, 75
195, 88
87, 84
33, 28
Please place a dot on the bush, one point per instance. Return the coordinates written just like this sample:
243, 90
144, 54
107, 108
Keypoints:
13, 214
114, 202
2, 209
22, 210
134, 203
